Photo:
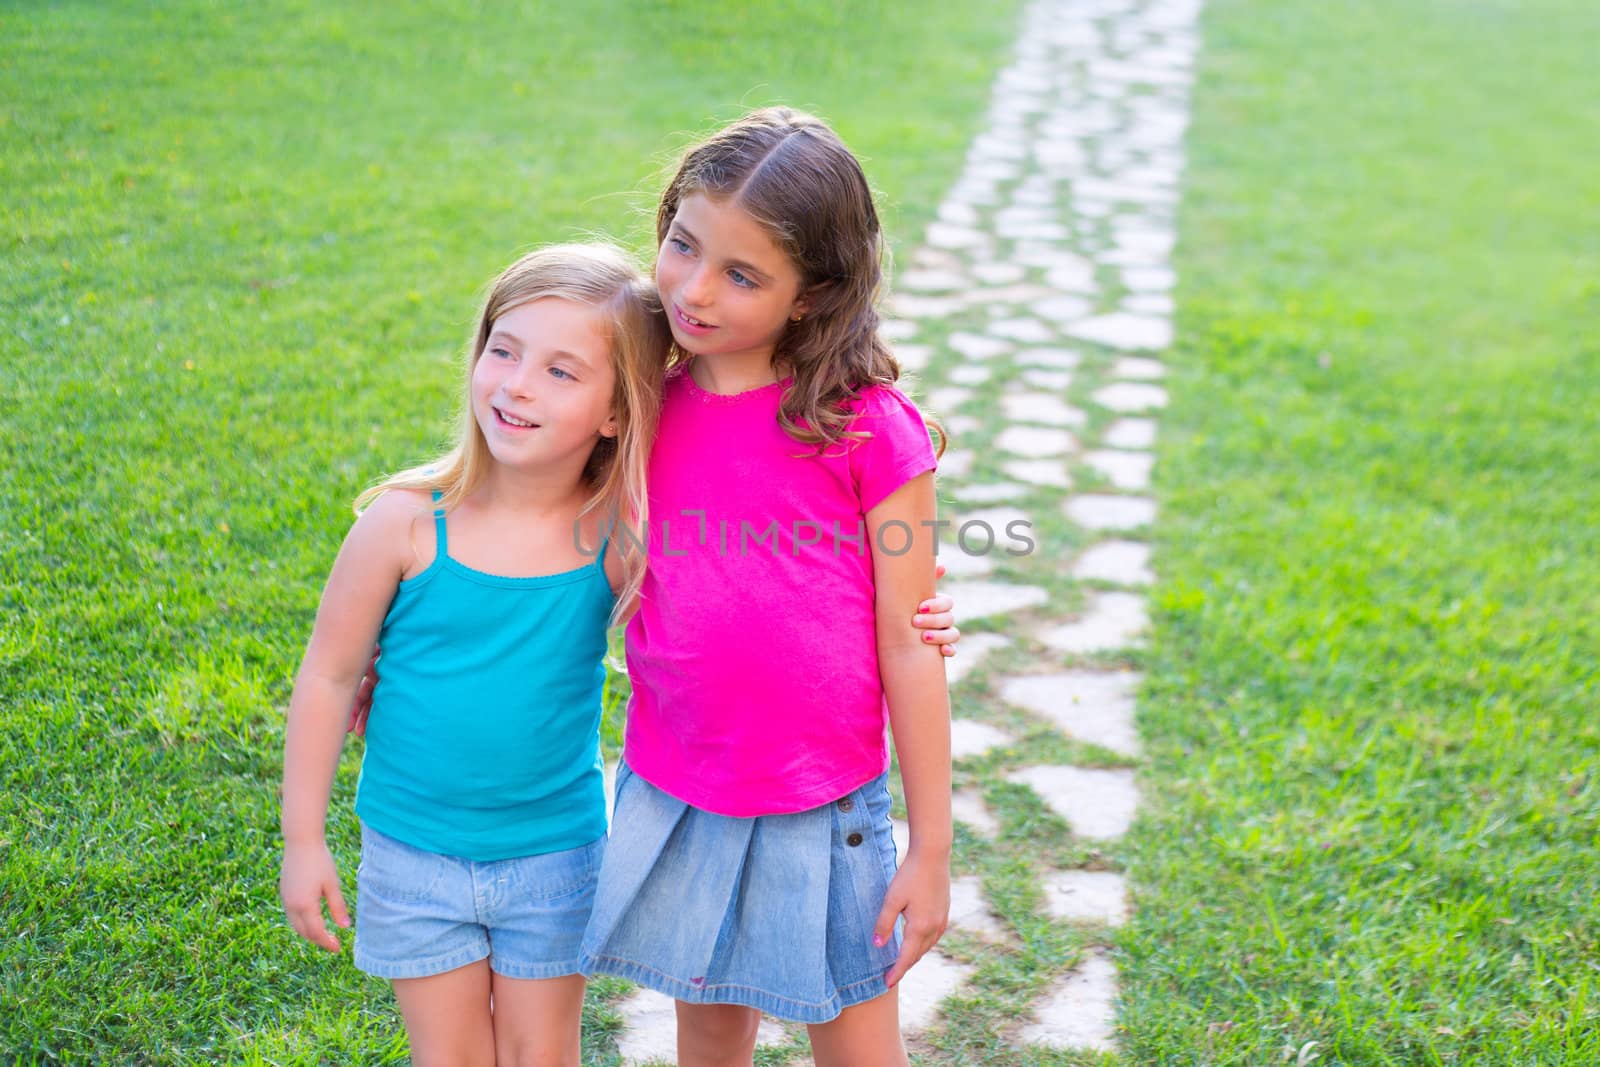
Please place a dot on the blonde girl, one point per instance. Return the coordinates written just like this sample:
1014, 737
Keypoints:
487, 579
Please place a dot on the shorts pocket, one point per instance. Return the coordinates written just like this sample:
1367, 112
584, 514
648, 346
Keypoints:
558, 875
397, 872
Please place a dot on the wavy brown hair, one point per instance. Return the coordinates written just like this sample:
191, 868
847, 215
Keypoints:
601, 277
796, 178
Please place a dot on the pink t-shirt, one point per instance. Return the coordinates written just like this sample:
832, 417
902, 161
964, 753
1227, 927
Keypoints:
754, 655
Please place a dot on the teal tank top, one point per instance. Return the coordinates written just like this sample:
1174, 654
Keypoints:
484, 736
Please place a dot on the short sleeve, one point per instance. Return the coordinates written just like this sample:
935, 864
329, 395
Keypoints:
898, 449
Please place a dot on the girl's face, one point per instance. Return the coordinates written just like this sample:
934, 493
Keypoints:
542, 386
728, 289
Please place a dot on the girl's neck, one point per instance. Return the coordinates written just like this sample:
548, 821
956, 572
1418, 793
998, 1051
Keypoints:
729, 375
532, 492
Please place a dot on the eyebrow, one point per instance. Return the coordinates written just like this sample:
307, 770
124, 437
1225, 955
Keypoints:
739, 264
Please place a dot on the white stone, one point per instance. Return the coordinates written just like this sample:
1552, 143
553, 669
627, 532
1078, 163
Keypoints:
961, 425
934, 977
979, 599
901, 831
1031, 331
959, 564
1138, 367
1054, 380
1039, 472
997, 519
1040, 408
1123, 562
993, 297
967, 806
957, 213
969, 374
930, 281
972, 651
1075, 275
1092, 706
1130, 396
897, 329
1063, 308
1113, 621
1105, 511
936, 259
998, 273
988, 492
1131, 433
947, 398
1149, 304
650, 1029
969, 737
1125, 470
608, 775
923, 307
1058, 358
1122, 330
1087, 896
1080, 1009
913, 357
948, 235
1098, 803
956, 463
970, 912
977, 345
1149, 279
1035, 442
1012, 229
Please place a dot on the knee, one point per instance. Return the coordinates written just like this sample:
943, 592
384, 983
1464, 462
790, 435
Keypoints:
536, 1053
717, 1033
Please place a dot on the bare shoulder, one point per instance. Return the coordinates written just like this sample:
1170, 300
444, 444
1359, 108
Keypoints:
399, 525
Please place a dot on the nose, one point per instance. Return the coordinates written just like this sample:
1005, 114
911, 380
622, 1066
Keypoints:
519, 383
697, 287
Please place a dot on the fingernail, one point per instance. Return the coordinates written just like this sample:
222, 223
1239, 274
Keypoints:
877, 940
927, 637
922, 607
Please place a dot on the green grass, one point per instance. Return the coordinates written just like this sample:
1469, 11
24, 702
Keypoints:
241, 247
1372, 700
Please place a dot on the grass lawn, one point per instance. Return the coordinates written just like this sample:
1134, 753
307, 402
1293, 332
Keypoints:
241, 248
1374, 700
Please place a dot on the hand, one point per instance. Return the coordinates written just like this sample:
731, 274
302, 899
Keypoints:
363, 705
937, 620
921, 891
309, 876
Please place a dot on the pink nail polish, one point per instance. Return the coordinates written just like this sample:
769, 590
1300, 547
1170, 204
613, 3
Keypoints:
877, 940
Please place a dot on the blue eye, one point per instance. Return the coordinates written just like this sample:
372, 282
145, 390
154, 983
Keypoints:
499, 353
558, 372
679, 245
739, 279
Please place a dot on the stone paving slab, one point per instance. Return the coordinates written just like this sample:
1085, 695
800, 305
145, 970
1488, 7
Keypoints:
1080, 1009
1097, 802
1113, 621
1101, 511
1123, 562
1092, 706
1087, 896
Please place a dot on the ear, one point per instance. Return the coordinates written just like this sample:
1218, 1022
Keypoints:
609, 427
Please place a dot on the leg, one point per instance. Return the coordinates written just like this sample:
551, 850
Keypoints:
447, 1017
537, 1021
716, 1035
864, 1035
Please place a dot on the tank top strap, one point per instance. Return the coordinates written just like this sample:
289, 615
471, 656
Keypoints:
442, 545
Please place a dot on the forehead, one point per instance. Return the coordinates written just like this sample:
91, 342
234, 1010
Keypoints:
730, 230
551, 323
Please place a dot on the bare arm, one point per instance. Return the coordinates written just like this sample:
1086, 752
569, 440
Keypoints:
919, 717
354, 601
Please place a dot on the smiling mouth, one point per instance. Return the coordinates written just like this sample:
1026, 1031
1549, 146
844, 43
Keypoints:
685, 317
512, 420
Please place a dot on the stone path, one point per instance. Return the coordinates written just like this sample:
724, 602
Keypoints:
1035, 315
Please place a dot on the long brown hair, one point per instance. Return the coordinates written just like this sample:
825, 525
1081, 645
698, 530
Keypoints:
796, 178
601, 277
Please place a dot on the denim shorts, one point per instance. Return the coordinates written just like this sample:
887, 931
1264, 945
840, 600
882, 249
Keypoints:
419, 913
774, 912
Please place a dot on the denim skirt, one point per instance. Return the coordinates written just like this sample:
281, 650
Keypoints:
774, 912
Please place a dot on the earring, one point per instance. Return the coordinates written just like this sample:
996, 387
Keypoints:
796, 318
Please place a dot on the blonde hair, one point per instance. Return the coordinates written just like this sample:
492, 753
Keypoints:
601, 277
796, 178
